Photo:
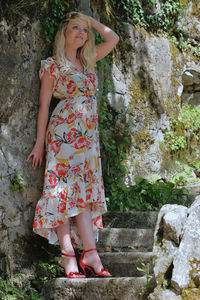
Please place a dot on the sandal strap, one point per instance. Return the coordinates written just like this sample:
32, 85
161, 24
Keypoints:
94, 249
68, 255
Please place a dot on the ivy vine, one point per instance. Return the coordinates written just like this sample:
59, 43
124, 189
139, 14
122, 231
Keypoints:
159, 18
115, 142
184, 132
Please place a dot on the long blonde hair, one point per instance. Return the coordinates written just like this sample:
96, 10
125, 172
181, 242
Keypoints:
86, 53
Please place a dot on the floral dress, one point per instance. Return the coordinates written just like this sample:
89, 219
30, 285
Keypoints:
73, 175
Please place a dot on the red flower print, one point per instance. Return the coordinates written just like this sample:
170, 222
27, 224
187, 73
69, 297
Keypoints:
90, 173
81, 203
72, 204
43, 193
79, 115
55, 147
63, 78
54, 224
71, 157
52, 69
67, 106
76, 169
49, 137
99, 196
88, 194
53, 179
92, 77
72, 135
61, 169
60, 222
71, 87
38, 210
62, 207
76, 187
98, 222
63, 195
35, 223
70, 119
86, 83
93, 180
98, 159
60, 120
88, 123
86, 94
81, 143
85, 177
42, 222
94, 119
85, 165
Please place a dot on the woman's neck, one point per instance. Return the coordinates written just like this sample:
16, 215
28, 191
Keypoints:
71, 54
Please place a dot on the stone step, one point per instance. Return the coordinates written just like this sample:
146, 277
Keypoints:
126, 239
129, 288
124, 264
133, 219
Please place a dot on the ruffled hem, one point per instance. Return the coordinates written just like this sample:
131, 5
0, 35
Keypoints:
48, 230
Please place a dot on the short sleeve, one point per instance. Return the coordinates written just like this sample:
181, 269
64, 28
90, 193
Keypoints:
50, 65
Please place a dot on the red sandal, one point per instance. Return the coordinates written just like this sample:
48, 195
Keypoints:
102, 273
71, 274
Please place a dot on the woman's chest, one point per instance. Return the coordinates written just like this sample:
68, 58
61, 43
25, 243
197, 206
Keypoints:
72, 82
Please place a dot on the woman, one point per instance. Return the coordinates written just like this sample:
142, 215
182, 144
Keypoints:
69, 211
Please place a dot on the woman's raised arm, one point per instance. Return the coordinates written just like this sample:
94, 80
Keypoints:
110, 38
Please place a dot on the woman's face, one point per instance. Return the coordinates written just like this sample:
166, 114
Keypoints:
76, 33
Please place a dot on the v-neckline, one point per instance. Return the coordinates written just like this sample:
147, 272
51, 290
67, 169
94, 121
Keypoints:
75, 67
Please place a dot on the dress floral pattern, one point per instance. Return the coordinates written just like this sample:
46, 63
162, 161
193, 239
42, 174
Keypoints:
73, 175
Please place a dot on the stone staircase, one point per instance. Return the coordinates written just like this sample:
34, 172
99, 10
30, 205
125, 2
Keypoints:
124, 244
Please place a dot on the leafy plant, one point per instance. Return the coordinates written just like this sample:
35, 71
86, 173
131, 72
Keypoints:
184, 129
46, 272
10, 291
145, 269
54, 12
183, 174
115, 141
17, 182
145, 195
146, 14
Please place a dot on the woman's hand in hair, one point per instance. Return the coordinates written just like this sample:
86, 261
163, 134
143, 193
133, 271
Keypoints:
110, 38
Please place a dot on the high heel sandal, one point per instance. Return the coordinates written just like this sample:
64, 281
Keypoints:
71, 274
102, 273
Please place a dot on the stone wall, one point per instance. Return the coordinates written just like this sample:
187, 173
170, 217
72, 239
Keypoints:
20, 60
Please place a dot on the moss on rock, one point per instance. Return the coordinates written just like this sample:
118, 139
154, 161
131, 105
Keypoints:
184, 3
143, 140
190, 294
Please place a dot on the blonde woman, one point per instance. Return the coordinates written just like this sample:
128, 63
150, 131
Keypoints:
69, 211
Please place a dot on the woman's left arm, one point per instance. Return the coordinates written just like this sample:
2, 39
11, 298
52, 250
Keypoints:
110, 38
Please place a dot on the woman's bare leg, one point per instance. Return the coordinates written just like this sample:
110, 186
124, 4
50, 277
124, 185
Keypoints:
85, 227
69, 263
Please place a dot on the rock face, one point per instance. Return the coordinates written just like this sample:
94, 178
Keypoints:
176, 249
20, 60
164, 295
187, 259
168, 232
157, 75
